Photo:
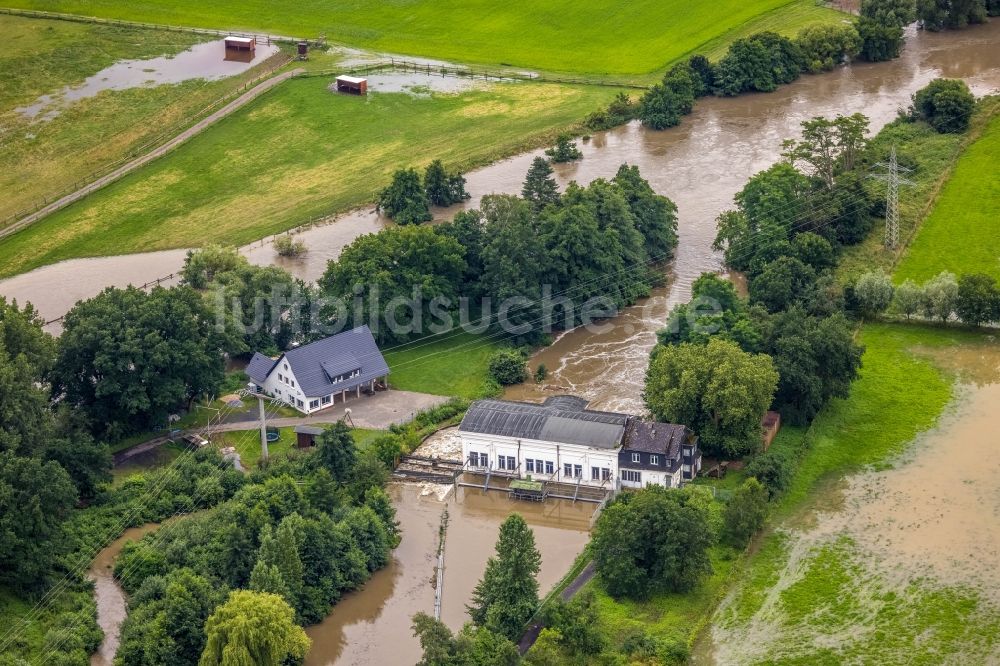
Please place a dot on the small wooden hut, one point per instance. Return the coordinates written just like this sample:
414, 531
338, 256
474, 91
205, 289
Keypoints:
240, 48
305, 435
353, 85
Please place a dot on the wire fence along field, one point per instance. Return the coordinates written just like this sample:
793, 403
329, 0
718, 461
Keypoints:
9, 225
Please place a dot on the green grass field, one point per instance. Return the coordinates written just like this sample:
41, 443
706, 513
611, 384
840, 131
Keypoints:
296, 152
962, 233
901, 393
593, 37
40, 158
451, 364
932, 158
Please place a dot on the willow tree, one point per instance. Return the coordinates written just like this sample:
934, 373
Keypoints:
253, 629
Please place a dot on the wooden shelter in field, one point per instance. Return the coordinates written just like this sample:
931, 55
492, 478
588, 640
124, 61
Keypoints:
353, 85
240, 48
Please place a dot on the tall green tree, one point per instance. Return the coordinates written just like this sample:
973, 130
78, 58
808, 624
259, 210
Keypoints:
442, 187
405, 200
759, 63
253, 629
665, 103
655, 215
407, 279
828, 146
507, 595
881, 27
655, 540
472, 646
540, 187
873, 291
744, 513
337, 452
826, 46
35, 498
128, 359
280, 549
950, 14
978, 299
782, 283
565, 150
718, 390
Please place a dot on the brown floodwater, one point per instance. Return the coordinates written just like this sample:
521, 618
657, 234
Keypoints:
372, 625
932, 519
109, 596
700, 165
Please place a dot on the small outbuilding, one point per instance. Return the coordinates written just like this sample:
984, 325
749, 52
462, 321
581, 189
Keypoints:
353, 85
305, 435
240, 48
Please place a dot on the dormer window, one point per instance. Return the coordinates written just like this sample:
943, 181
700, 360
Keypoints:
636, 457
654, 460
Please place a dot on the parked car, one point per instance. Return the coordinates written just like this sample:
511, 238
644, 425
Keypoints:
195, 441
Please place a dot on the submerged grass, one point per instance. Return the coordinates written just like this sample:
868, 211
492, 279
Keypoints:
590, 37
296, 152
818, 602
40, 158
962, 233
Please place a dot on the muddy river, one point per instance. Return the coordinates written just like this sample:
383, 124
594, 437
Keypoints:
372, 625
110, 598
700, 165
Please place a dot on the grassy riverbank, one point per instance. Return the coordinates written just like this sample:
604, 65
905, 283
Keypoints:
592, 37
962, 233
808, 598
296, 152
901, 392
934, 160
454, 364
42, 157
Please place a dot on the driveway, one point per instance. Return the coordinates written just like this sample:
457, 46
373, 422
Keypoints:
373, 412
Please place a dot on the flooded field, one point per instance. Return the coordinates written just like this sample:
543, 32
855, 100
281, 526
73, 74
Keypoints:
700, 165
371, 626
917, 544
110, 598
201, 61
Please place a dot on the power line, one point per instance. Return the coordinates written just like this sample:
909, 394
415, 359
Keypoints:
892, 180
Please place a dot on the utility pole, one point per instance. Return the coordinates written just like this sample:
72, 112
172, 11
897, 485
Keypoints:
892, 180
263, 429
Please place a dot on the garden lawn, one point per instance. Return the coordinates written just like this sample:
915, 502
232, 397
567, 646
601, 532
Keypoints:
296, 152
580, 36
40, 158
962, 233
452, 364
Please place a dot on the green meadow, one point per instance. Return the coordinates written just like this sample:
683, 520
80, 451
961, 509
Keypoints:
833, 610
962, 233
296, 152
42, 157
453, 364
593, 36
933, 161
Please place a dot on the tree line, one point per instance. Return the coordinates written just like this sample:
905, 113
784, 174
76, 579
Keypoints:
763, 61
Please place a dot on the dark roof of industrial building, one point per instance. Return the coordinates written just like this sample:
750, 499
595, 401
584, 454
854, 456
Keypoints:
652, 437
314, 365
562, 419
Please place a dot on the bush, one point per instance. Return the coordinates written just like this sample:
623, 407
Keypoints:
745, 512
663, 105
405, 200
946, 104
507, 367
826, 46
621, 110
873, 291
759, 63
565, 150
286, 246
773, 469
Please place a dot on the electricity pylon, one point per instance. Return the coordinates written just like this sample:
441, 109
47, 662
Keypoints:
893, 179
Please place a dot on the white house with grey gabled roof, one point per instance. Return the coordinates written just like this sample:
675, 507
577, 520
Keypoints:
320, 374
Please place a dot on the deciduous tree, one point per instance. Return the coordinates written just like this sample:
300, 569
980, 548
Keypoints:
873, 290
405, 200
718, 390
745, 512
978, 299
253, 629
946, 104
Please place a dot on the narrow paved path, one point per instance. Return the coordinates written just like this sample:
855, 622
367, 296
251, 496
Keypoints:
531, 635
240, 101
